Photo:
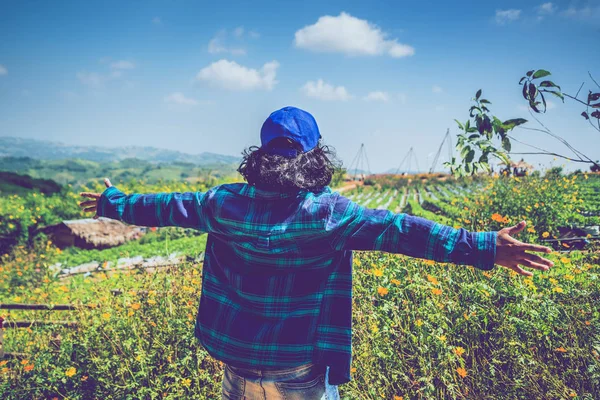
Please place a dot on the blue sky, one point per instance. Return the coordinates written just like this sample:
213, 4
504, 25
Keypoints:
196, 76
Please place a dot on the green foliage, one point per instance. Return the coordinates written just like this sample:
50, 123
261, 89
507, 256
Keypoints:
483, 136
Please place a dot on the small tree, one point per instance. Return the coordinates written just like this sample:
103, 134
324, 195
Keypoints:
484, 135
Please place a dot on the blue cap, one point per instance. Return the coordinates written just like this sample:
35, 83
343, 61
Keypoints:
291, 123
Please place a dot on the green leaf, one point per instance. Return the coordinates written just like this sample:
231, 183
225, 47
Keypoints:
478, 94
460, 125
471, 130
465, 150
549, 84
540, 73
506, 144
474, 136
557, 94
470, 156
512, 123
484, 101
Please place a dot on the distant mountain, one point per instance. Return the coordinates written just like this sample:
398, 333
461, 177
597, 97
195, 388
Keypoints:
47, 150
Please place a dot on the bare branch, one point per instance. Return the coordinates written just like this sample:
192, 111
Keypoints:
557, 155
593, 79
582, 83
575, 98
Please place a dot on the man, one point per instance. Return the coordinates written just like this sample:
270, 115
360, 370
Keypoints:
276, 303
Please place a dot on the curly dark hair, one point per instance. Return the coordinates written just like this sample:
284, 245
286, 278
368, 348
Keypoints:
310, 171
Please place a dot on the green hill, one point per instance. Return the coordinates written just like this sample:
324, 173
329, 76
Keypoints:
11, 183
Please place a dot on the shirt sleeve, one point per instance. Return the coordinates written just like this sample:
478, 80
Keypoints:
353, 227
186, 210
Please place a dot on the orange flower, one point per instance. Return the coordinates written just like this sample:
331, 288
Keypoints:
24, 362
395, 281
136, 306
545, 234
461, 372
28, 367
382, 291
561, 350
436, 291
353, 370
459, 351
432, 279
398, 398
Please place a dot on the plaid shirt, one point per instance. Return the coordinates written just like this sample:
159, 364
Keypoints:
277, 274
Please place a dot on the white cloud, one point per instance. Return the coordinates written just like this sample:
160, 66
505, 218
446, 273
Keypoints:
253, 35
349, 35
436, 89
238, 32
377, 96
92, 79
3, 70
325, 91
156, 21
217, 44
122, 64
547, 8
507, 16
585, 13
97, 80
232, 76
179, 98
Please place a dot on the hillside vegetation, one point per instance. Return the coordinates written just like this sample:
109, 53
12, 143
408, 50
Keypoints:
422, 329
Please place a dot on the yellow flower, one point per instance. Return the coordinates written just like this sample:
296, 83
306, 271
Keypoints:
186, 382
151, 301
24, 362
378, 272
561, 350
136, 306
461, 372
419, 322
558, 289
106, 316
353, 370
382, 291
443, 338
459, 351
70, 372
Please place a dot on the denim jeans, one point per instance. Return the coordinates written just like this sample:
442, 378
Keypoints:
306, 382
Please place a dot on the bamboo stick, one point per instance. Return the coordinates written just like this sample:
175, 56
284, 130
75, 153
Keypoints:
28, 324
49, 307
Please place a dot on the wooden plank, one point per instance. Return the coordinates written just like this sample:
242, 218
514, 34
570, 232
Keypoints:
49, 307
31, 324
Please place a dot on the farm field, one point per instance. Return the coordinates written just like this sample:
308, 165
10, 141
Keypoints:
422, 329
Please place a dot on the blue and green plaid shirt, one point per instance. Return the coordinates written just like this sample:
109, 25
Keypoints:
277, 274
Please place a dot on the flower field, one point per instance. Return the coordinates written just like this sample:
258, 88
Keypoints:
422, 329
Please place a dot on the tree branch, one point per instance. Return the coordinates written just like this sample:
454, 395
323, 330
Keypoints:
593, 79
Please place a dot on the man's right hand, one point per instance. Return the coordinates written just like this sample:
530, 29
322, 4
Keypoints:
511, 253
92, 205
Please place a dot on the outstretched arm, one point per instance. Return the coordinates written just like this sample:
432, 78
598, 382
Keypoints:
186, 210
354, 227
